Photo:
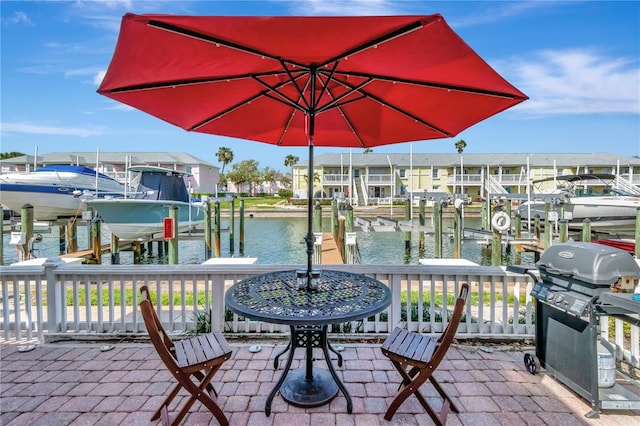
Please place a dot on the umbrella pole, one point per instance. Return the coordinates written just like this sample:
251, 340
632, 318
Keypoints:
309, 238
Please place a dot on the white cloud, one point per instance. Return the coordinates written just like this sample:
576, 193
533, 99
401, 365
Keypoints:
97, 79
18, 18
345, 7
48, 130
577, 82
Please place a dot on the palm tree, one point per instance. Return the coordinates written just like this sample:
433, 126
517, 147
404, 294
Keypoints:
461, 145
225, 156
290, 161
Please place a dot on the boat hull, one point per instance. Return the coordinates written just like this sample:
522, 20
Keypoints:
605, 213
133, 219
54, 193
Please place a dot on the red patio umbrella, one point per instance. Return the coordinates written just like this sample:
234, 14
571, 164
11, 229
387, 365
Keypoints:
314, 81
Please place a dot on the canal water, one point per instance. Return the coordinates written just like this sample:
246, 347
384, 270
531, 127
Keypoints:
279, 241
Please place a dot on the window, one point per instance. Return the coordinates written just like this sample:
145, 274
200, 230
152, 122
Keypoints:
402, 173
435, 173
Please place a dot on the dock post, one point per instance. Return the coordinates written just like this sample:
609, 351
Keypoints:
26, 226
437, 229
137, 252
518, 236
162, 248
536, 227
115, 249
207, 230
350, 257
173, 243
496, 248
422, 225
457, 231
241, 242
96, 240
586, 230
334, 218
564, 231
547, 226
483, 215
216, 235
2, 241
62, 243
149, 248
407, 234
232, 225
72, 236
317, 217
317, 228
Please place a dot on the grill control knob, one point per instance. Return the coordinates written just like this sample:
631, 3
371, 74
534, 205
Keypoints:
550, 296
559, 298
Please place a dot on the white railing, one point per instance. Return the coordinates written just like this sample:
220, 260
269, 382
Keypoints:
95, 301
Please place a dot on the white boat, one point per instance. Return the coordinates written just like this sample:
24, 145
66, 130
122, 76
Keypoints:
585, 196
140, 215
55, 191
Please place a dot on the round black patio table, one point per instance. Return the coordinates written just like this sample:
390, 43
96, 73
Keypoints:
340, 297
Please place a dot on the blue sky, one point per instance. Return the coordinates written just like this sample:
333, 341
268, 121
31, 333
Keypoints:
578, 61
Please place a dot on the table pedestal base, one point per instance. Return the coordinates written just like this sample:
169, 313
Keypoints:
299, 391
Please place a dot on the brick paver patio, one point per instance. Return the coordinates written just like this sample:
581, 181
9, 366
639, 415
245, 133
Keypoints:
78, 384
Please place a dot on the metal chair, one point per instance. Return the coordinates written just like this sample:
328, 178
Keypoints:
417, 356
193, 362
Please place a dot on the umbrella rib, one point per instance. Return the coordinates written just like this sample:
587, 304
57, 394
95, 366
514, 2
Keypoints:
431, 84
376, 42
286, 99
251, 99
203, 37
180, 83
396, 109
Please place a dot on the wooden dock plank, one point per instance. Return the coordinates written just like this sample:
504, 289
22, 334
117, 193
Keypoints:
330, 252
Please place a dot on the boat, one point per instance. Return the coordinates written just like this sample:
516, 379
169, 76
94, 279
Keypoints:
140, 215
55, 191
585, 196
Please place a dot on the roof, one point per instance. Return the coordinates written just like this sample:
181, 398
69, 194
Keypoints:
473, 160
88, 158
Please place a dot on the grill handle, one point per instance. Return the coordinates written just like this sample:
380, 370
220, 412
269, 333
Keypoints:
557, 271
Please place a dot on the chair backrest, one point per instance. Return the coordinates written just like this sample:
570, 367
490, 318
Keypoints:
447, 336
159, 338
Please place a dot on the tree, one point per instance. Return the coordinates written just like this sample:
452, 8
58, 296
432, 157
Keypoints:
270, 176
225, 156
245, 172
461, 145
367, 151
290, 161
5, 155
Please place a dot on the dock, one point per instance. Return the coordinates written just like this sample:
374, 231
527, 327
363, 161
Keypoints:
330, 253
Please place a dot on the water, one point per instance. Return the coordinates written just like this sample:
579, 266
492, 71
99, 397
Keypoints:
279, 241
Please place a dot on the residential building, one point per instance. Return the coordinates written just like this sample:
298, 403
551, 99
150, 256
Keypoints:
373, 178
204, 176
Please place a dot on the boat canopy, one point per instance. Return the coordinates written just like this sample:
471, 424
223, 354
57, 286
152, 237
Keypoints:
156, 183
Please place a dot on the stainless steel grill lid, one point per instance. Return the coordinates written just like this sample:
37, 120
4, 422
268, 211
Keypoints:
594, 265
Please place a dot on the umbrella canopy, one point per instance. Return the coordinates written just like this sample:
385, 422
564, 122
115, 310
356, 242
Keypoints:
314, 81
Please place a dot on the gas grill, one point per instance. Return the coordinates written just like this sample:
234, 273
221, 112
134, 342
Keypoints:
572, 278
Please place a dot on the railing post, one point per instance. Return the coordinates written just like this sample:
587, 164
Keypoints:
55, 299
